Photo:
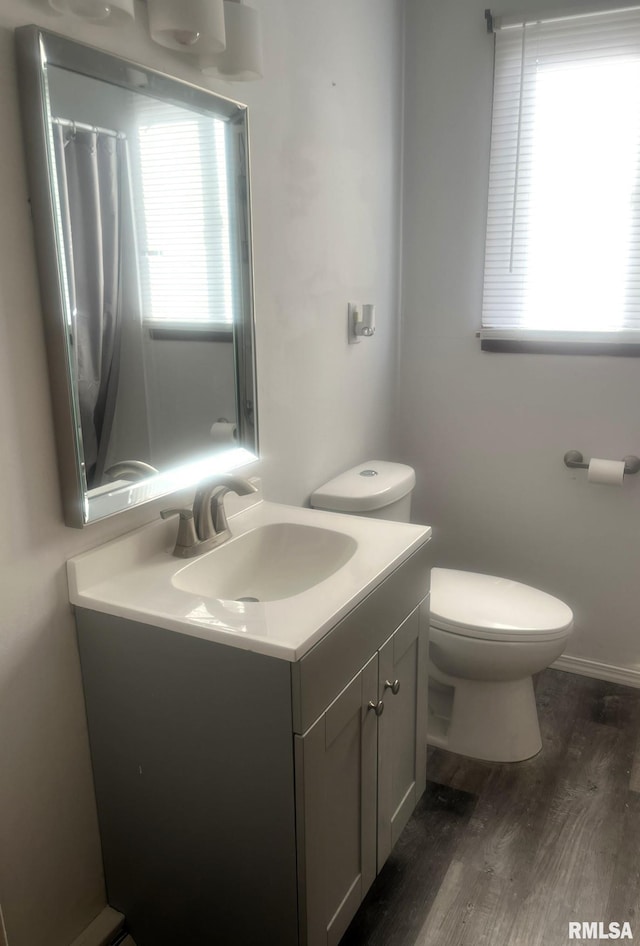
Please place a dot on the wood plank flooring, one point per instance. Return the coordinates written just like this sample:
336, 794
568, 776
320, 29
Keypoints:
507, 855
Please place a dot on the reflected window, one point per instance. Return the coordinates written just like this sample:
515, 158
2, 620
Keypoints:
184, 230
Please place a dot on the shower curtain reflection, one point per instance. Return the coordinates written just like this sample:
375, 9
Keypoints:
90, 167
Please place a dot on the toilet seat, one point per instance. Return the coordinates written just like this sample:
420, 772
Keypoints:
495, 609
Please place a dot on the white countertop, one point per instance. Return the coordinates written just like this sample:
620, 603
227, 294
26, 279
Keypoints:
131, 577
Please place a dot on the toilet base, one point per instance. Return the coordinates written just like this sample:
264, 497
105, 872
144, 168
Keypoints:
492, 721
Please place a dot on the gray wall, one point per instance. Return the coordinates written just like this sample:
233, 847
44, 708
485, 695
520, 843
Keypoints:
325, 137
487, 432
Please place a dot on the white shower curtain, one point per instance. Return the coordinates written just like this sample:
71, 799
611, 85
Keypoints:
89, 166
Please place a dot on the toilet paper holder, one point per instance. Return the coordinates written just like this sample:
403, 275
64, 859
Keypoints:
575, 460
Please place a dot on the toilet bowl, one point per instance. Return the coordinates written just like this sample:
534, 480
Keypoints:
488, 635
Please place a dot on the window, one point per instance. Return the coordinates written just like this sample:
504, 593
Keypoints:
183, 219
562, 266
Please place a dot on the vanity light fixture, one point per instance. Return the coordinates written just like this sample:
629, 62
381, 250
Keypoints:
188, 25
102, 12
241, 60
224, 35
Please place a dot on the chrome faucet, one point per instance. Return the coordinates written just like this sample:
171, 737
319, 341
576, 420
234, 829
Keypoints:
205, 526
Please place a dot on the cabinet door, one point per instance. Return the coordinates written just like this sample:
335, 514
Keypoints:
336, 811
402, 738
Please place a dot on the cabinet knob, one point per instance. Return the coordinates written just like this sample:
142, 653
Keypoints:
378, 708
394, 687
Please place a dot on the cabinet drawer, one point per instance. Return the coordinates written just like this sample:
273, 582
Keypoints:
321, 674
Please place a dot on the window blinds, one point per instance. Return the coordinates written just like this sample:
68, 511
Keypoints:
563, 227
184, 216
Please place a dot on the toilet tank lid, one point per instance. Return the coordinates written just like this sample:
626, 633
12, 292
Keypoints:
494, 607
371, 485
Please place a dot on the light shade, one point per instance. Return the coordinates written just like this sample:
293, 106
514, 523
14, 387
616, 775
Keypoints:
188, 25
104, 12
242, 59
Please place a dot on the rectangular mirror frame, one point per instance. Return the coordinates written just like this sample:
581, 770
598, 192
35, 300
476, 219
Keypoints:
37, 48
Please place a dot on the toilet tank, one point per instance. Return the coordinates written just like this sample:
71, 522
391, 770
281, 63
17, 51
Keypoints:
378, 489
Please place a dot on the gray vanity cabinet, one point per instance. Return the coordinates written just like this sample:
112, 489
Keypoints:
245, 799
360, 770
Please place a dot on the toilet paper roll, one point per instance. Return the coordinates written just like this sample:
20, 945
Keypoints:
607, 472
224, 433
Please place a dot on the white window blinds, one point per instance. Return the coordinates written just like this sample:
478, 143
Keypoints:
563, 228
184, 217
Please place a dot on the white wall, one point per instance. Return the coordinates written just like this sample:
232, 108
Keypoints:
325, 145
325, 192
487, 432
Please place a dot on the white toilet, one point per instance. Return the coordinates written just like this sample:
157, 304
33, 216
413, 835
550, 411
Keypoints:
488, 635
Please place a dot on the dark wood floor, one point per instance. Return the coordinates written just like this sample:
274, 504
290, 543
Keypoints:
507, 855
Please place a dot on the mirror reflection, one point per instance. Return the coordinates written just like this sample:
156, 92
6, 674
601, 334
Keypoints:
150, 212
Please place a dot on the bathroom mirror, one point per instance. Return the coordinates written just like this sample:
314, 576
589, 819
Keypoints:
139, 185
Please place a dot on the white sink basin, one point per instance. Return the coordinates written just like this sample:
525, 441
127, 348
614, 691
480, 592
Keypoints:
274, 561
307, 568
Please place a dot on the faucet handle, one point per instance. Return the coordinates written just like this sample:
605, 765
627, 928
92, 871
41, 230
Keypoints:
187, 539
184, 514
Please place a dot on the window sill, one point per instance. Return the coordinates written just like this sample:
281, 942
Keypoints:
619, 344
189, 331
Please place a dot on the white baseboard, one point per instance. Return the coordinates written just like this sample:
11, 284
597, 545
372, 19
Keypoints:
102, 930
593, 668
